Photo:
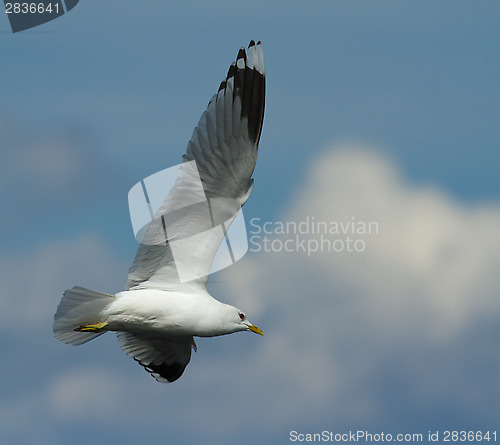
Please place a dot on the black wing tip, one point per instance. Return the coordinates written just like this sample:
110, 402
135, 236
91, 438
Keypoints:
252, 43
249, 84
222, 85
169, 372
234, 68
231, 72
242, 54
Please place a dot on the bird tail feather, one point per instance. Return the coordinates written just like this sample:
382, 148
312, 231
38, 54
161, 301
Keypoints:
80, 307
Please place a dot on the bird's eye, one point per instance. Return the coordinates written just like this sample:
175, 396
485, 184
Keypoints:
242, 315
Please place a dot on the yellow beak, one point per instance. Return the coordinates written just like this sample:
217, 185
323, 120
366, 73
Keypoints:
255, 329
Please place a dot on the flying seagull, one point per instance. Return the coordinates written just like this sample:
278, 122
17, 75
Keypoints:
163, 308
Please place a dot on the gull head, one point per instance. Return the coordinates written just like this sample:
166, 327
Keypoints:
237, 321
220, 319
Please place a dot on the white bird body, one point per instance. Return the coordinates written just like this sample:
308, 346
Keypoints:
180, 312
166, 301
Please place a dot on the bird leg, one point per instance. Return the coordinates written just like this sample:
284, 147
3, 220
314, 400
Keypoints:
98, 327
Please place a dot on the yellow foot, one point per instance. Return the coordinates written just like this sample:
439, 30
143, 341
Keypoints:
98, 327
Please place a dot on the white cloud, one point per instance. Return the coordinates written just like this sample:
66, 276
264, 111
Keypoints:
431, 253
336, 320
350, 338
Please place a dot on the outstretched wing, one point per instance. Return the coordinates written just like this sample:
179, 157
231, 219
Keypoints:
165, 358
214, 181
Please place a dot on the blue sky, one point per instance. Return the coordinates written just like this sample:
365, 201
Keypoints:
383, 111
